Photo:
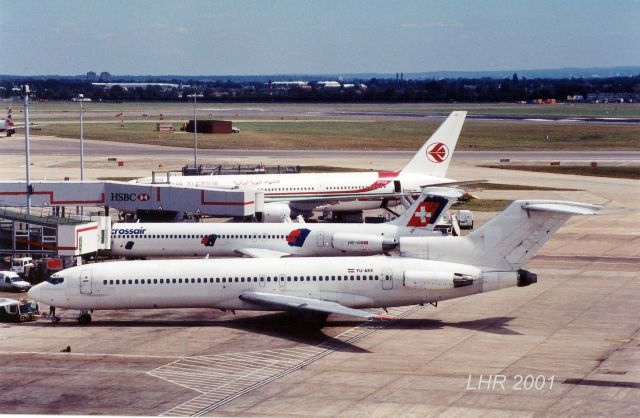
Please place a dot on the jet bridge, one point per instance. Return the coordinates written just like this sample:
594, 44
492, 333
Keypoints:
134, 197
39, 232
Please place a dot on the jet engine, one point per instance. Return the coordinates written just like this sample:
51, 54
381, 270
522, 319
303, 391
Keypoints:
363, 243
437, 279
275, 212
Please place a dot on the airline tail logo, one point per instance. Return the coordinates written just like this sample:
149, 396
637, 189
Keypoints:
297, 237
437, 152
427, 211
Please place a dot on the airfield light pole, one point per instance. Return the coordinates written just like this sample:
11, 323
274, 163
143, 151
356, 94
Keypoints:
25, 92
195, 129
81, 99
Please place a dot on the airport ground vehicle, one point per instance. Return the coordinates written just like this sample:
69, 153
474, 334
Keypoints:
22, 265
465, 219
10, 280
12, 310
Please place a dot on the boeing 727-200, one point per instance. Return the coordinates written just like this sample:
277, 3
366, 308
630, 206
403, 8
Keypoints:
430, 269
136, 240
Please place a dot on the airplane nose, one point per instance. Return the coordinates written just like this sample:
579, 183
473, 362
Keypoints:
34, 293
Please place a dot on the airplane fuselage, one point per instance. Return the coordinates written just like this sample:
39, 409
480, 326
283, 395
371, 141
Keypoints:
350, 191
227, 239
357, 282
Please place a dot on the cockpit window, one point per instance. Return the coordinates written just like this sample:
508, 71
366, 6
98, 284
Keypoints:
55, 280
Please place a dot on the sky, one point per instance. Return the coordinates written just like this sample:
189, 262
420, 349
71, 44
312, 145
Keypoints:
250, 37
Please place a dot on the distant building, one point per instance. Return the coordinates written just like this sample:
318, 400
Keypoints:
105, 76
91, 76
128, 86
613, 97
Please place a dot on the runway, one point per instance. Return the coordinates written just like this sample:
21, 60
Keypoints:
51, 146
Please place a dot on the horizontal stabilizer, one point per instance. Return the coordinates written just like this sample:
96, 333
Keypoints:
287, 302
570, 208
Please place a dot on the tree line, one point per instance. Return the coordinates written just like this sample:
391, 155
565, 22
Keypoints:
512, 89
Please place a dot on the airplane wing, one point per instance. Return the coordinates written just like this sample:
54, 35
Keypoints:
287, 302
455, 183
260, 253
340, 197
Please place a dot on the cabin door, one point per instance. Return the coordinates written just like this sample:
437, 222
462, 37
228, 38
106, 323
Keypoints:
320, 239
282, 281
262, 281
387, 279
85, 282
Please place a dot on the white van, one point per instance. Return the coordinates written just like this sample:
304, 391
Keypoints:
10, 280
465, 219
21, 265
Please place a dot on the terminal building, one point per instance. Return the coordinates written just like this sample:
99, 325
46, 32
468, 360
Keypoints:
71, 219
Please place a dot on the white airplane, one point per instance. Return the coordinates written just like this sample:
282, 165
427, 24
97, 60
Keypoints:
287, 194
281, 239
430, 269
7, 125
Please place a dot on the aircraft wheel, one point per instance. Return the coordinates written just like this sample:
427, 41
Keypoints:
84, 319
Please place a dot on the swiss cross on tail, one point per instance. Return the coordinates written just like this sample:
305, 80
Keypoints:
437, 152
428, 211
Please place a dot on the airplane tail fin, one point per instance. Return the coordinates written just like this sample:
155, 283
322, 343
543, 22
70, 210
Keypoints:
426, 210
507, 241
434, 156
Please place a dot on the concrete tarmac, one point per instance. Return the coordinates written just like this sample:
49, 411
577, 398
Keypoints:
566, 346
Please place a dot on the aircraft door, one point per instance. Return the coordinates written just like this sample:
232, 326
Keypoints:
254, 237
262, 281
387, 279
397, 187
282, 281
320, 239
85, 282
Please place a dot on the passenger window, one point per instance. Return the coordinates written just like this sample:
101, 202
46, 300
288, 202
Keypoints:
104, 282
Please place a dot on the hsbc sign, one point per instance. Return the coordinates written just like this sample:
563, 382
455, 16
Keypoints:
130, 197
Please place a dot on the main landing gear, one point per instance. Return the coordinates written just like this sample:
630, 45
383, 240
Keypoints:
84, 318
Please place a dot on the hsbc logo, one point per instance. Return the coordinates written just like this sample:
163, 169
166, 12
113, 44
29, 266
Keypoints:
437, 152
130, 197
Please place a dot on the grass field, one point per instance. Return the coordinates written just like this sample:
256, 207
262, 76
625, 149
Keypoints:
410, 135
344, 126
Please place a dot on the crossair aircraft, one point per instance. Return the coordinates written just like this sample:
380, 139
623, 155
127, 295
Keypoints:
136, 240
293, 194
430, 269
